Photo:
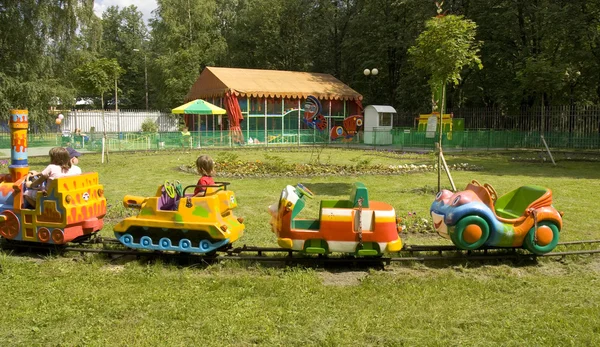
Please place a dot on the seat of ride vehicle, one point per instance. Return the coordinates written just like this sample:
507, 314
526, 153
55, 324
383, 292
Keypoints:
174, 220
514, 204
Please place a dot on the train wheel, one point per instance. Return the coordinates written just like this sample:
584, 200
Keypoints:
58, 237
471, 232
542, 240
164, 244
43, 234
185, 244
11, 225
146, 242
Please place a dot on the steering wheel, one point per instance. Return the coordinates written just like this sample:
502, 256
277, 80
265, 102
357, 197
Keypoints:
305, 191
492, 192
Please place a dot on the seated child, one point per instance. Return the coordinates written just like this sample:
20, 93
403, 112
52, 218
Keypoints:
74, 155
205, 167
60, 163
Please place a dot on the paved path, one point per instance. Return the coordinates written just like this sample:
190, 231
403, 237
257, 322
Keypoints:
32, 152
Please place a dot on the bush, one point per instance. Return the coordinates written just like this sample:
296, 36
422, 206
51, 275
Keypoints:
149, 126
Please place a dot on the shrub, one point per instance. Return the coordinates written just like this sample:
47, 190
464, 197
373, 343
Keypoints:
149, 126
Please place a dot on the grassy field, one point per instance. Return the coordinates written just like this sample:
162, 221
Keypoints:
91, 300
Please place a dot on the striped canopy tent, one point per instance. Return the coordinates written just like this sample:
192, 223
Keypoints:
198, 106
229, 84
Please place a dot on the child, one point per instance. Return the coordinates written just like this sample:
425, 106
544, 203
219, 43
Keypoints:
60, 163
186, 138
74, 155
205, 166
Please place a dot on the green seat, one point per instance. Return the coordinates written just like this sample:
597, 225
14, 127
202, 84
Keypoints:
360, 191
513, 204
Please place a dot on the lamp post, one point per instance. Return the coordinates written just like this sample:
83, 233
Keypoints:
371, 72
145, 76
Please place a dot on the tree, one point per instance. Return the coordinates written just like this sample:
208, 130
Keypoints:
97, 77
445, 47
123, 38
185, 39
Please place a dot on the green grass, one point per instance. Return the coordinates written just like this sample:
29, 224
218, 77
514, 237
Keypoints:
92, 300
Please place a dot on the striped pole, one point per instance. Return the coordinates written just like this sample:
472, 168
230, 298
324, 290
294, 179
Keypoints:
19, 166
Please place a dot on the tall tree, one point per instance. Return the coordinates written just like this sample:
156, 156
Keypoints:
123, 38
37, 40
185, 39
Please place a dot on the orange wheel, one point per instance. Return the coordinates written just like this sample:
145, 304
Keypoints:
11, 226
43, 234
57, 236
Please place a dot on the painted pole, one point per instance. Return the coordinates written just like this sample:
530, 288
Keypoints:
19, 166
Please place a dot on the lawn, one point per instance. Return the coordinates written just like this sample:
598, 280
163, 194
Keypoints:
91, 300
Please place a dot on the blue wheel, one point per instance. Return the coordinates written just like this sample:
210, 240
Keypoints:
204, 245
185, 244
127, 239
146, 241
164, 243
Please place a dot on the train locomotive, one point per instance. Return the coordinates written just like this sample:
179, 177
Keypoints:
70, 209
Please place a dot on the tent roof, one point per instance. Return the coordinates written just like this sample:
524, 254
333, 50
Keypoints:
216, 81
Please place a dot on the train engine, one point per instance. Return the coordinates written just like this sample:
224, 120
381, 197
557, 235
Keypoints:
69, 209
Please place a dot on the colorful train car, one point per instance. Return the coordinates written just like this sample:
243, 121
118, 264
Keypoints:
357, 225
173, 220
477, 217
69, 209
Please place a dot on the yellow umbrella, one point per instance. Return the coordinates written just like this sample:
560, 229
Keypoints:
198, 106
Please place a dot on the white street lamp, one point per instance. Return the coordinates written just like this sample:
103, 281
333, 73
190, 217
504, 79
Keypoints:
373, 72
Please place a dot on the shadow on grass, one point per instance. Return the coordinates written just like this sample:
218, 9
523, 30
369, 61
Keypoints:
533, 164
340, 189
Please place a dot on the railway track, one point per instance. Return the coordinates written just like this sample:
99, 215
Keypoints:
410, 253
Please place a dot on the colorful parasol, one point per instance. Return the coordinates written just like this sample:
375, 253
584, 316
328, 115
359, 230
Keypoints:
198, 106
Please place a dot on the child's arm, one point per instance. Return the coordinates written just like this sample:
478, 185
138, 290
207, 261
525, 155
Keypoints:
41, 178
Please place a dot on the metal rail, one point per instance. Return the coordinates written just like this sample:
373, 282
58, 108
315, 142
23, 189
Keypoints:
290, 257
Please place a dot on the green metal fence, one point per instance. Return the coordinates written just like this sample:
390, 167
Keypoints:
399, 138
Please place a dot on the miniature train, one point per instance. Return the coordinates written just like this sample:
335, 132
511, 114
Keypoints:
72, 209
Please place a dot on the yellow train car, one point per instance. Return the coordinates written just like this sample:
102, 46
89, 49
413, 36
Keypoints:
175, 221
70, 209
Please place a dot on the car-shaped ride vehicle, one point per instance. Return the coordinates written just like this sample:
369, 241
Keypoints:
174, 220
357, 225
477, 217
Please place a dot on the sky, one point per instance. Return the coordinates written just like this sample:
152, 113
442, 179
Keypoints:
144, 6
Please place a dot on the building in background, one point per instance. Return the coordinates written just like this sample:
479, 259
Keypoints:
269, 105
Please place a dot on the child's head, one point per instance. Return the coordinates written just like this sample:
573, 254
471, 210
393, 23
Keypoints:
205, 165
60, 156
74, 155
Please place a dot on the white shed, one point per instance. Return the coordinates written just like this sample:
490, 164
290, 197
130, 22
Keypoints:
378, 124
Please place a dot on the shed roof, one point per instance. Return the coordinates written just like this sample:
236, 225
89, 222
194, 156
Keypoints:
216, 81
382, 108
